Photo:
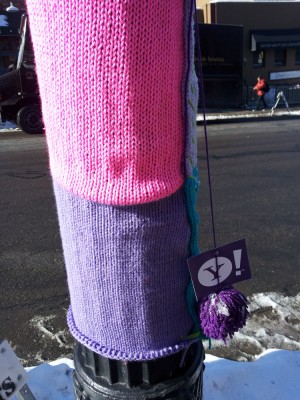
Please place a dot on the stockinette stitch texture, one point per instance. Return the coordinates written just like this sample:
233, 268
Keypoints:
118, 111
127, 275
110, 75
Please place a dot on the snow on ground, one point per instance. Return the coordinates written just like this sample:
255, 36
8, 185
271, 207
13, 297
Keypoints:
271, 340
274, 323
8, 125
247, 114
273, 376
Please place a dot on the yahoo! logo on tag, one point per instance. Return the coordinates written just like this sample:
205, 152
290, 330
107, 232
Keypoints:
219, 267
214, 271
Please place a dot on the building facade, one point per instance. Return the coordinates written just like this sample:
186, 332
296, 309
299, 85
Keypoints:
271, 36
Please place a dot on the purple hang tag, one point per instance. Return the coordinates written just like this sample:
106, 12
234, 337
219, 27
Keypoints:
223, 266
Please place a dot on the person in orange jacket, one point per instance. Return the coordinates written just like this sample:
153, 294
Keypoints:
261, 88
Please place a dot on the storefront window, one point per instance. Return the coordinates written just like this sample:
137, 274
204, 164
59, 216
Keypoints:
259, 58
280, 57
297, 57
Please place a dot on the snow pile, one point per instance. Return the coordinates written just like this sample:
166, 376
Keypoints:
8, 125
273, 376
267, 350
248, 114
274, 323
52, 381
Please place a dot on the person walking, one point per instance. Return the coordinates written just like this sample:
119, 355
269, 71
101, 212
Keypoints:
261, 88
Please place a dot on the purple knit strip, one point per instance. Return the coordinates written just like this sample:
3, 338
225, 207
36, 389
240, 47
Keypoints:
118, 354
127, 275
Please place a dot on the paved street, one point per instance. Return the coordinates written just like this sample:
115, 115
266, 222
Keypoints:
256, 191
33, 299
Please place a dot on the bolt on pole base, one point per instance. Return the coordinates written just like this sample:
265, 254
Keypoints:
98, 378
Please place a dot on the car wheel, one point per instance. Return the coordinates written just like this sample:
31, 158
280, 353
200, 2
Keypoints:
29, 119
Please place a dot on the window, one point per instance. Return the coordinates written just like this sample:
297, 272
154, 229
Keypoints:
259, 58
297, 57
213, 13
280, 57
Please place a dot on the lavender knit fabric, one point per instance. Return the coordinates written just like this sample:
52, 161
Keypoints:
127, 275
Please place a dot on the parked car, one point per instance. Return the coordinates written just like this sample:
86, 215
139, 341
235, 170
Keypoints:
19, 94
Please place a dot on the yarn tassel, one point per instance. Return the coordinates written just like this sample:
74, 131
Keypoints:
223, 313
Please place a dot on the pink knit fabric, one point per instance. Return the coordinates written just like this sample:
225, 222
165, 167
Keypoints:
115, 128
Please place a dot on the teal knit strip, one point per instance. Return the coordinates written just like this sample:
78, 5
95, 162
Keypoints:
192, 181
191, 189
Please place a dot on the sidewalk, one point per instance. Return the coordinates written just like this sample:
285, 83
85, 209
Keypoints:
213, 116
8, 126
223, 116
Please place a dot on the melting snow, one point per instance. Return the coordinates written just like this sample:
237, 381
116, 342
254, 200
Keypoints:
270, 339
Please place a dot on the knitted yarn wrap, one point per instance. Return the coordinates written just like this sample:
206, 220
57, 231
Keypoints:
127, 275
119, 99
115, 80
110, 77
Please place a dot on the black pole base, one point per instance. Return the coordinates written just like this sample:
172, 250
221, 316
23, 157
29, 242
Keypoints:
98, 378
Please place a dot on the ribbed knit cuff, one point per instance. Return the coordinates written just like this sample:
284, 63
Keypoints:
127, 275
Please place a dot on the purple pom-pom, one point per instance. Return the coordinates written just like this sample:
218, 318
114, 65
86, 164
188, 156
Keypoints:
224, 313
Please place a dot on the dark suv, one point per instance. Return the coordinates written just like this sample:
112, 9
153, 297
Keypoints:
19, 94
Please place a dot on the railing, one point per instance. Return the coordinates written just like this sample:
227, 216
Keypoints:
291, 93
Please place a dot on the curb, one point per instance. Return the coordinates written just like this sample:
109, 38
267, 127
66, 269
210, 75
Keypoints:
227, 117
10, 130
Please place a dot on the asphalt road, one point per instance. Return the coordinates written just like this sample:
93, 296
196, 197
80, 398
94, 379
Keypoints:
256, 196
256, 191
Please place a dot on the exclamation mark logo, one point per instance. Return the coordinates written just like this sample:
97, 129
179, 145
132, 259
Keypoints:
237, 259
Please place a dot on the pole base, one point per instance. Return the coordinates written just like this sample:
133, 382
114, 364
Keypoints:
98, 378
